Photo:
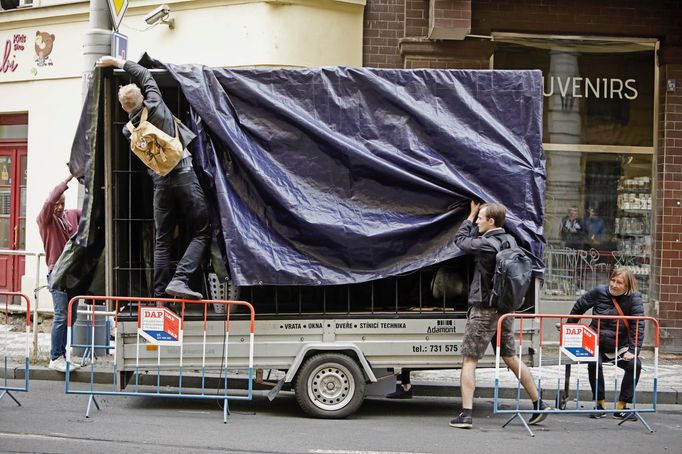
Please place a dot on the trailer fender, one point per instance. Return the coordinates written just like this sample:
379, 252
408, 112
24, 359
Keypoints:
303, 353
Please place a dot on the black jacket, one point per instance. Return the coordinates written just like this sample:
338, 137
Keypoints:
158, 112
599, 300
469, 241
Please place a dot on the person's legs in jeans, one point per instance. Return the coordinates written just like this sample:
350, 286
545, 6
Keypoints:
164, 221
191, 200
60, 301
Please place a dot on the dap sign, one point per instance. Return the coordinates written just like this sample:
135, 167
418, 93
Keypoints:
579, 342
160, 326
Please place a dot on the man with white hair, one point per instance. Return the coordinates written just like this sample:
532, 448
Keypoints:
177, 192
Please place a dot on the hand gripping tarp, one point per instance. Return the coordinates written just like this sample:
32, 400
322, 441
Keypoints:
342, 175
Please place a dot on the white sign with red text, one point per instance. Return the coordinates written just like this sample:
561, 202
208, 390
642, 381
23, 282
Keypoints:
579, 342
160, 326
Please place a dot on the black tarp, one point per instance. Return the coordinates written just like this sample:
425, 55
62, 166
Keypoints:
82, 255
345, 175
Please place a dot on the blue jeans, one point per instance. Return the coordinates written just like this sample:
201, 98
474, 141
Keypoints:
60, 301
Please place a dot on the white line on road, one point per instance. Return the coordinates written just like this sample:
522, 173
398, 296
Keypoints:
336, 451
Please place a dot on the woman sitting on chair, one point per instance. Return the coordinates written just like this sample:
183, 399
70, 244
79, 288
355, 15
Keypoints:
620, 297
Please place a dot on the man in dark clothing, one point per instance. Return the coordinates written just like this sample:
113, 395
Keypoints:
56, 226
603, 299
478, 240
178, 191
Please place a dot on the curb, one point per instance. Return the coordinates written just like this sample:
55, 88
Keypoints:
422, 389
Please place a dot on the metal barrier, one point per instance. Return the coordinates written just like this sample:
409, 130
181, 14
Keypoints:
632, 413
158, 327
6, 343
36, 290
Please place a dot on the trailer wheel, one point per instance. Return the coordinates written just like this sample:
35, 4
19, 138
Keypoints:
330, 385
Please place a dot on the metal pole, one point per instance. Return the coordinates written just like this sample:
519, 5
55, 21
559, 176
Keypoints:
108, 198
97, 38
34, 356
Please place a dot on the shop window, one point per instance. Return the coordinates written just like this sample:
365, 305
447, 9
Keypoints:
598, 216
598, 135
14, 127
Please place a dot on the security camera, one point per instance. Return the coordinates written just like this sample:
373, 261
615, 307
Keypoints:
158, 15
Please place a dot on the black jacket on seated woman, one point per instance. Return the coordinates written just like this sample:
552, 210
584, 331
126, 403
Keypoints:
622, 288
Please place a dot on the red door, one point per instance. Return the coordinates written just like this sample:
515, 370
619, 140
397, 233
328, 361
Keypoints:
12, 214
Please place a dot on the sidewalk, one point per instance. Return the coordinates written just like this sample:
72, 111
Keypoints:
426, 383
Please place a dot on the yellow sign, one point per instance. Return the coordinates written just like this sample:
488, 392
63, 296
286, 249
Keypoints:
117, 8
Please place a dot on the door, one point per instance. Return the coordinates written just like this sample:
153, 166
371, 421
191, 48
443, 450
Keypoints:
12, 214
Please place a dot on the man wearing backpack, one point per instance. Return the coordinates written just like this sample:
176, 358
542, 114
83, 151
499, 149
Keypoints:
177, 191
483, 240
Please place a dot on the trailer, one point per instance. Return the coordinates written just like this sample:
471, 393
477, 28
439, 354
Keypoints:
334, 324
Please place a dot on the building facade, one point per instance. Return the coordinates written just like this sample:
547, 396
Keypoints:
612, 125
612, 120
41, 88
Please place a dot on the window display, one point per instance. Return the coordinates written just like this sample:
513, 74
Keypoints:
600, 220
598, 136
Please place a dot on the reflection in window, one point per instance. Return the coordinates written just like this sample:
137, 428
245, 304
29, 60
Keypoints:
21, 244
598, 215
5, 201
22, 202
4, 232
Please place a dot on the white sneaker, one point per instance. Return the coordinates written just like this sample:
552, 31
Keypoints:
58, 364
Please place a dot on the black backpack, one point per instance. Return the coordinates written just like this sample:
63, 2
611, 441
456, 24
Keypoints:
513, 271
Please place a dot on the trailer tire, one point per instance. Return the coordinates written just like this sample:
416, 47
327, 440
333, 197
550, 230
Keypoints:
330, 385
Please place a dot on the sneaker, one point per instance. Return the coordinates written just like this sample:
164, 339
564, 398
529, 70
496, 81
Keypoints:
599, 413
537, 418
180, 290
462, 422
58, 364
626, 415
400, 393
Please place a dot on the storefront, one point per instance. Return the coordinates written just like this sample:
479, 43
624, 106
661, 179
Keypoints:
613, 125
599, 142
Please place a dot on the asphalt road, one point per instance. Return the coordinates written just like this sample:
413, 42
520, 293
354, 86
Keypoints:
50, 421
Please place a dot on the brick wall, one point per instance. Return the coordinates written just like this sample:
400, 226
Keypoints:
640, 18
383, 29
667, 256
416, 17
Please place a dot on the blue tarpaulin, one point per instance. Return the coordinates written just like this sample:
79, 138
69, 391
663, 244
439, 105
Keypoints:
339, 175
345, 175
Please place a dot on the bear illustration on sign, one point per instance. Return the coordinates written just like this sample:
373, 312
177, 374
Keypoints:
43, 48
